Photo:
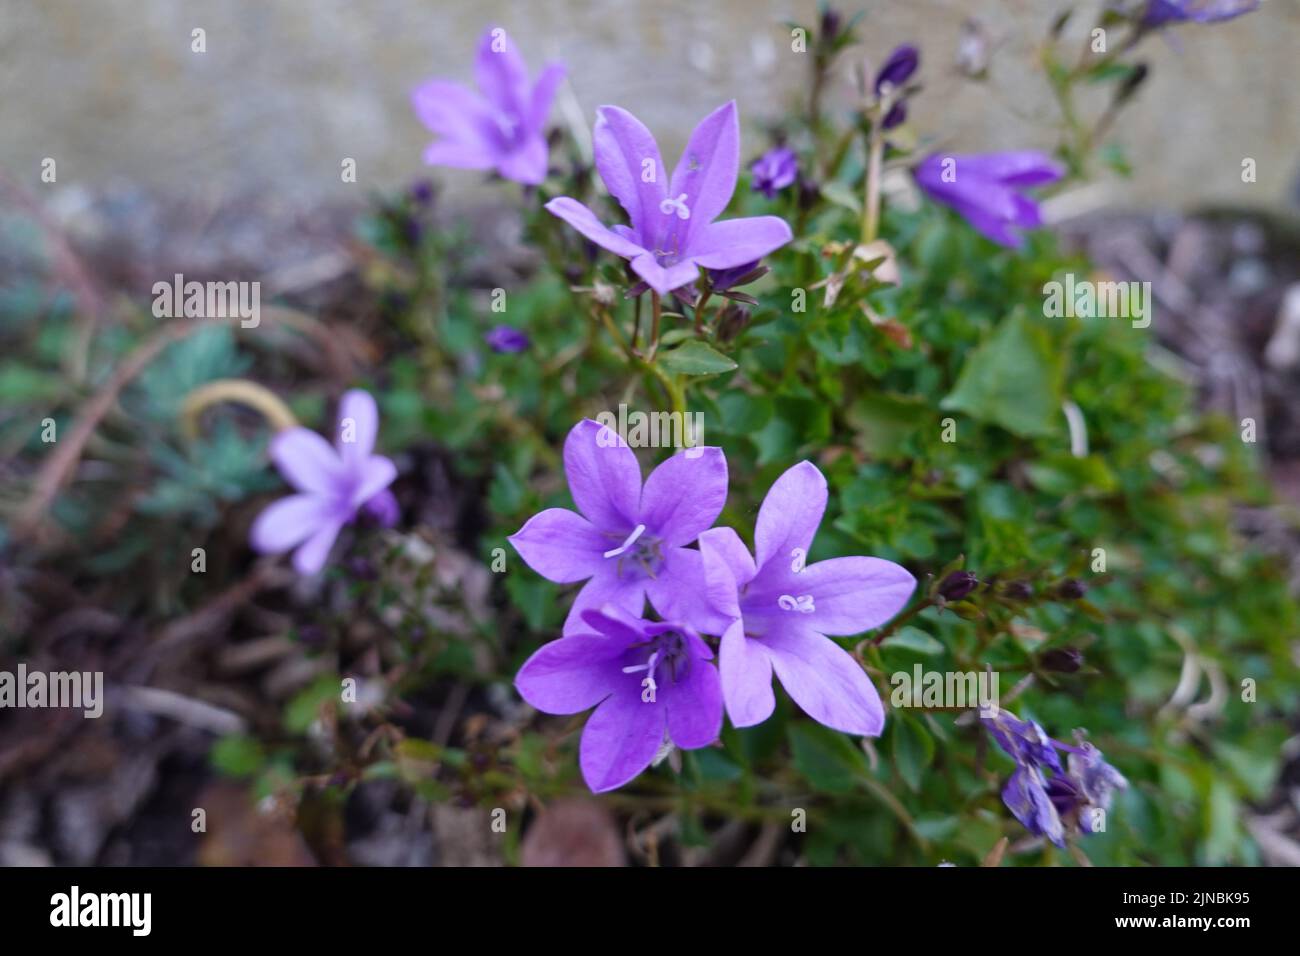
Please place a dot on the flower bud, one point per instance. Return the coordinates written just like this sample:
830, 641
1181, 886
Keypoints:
957, 585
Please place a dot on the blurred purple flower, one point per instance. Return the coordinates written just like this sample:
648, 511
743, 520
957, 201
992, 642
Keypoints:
1045, 805
629, 542
898, 69
1158, 13
721, 280
649, 682
502, 126
506, 339
672, 232
773, 171
985, 188
779, 611
333, 481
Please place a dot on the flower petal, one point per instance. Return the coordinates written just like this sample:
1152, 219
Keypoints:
560, 545
359, 422
606, 587
620, 739
746, 672
311, 554
584, 220
664, 280
684, 495
459, 155
626, 156
604, 477
737, 242
286, 523
570, 675
852, 595
676, 594
694, 704
307, 461
526, 164
1026, 167
790, 513
501, 74
373, 475
451, 110
727, 566
539, 108
825, 680
706, 173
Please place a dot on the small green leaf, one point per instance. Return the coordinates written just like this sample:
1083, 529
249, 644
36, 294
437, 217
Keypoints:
696, 358
826, 757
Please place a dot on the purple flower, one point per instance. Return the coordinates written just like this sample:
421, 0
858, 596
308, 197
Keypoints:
780, 611
672, 232
773, 171
1161, 12
985, 189
629, 542
502, 126
507, 339
898, 69
333, 483
1071, 796
649, 682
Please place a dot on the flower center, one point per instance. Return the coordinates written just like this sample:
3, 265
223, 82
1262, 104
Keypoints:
664, 654
638, 550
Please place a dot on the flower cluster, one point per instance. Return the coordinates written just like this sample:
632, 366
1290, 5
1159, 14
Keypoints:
1050, 799
772, 612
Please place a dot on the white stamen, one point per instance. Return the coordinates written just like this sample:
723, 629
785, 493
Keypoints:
803, 603
678, 205
798, 556
631, 540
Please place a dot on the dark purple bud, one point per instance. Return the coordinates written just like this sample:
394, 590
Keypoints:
1071, 589
898, 69
896, 116
422, 192
957, 585
830, 24
721, 280
362, 569
1018, 590
732, 321
809, 193
1063, 660
382, 509
505, 339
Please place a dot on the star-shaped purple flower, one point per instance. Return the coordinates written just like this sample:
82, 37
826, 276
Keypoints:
629, 542
781, 610
503, 125
985, 188
649, 681
334, 483
672, 232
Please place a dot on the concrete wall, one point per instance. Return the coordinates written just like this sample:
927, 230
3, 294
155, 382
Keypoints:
287, 88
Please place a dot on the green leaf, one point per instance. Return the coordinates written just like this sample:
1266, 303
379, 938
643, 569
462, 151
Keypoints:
826, 758
696, 358
912, 748
1012, 380
237, 756
913, 639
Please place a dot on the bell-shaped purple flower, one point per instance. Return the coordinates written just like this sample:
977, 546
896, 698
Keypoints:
780, 610
650, 682
333, 481
672, 233
628, 542
773, 171
986, 189
502, 126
